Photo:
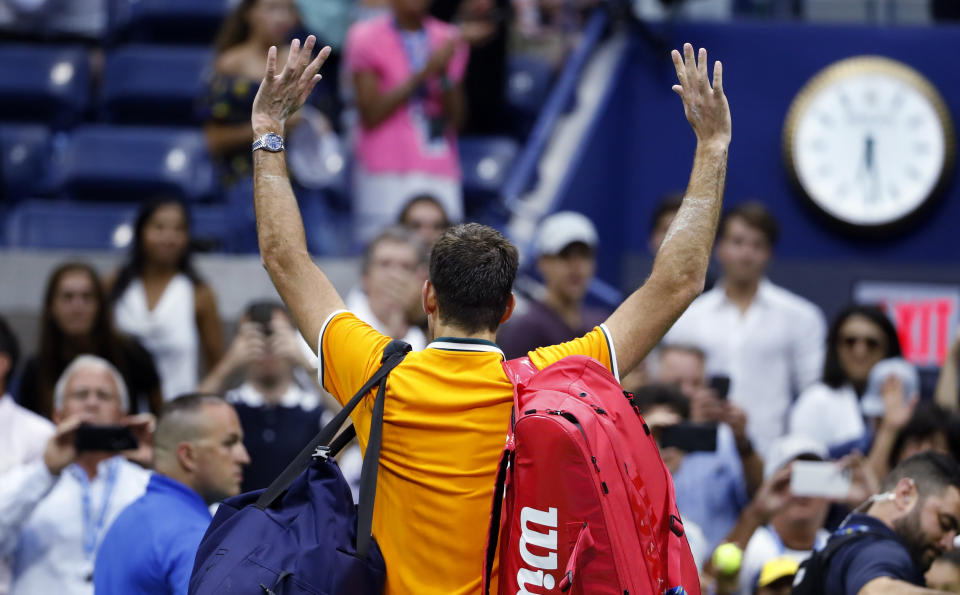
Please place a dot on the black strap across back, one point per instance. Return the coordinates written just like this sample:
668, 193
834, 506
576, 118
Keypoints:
328, 443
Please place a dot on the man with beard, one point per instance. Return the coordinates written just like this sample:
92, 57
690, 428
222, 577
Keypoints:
911, 523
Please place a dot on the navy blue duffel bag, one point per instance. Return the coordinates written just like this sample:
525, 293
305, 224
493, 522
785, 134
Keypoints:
303, 534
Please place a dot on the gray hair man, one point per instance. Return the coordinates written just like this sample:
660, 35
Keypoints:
54, 511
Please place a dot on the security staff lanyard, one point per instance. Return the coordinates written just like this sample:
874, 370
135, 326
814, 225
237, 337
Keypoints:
93, 527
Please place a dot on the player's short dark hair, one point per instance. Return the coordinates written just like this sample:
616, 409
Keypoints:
10, 346
932, 472
472, 269
756, 215
662, 395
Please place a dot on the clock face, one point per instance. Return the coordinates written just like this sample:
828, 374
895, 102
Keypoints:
869, 141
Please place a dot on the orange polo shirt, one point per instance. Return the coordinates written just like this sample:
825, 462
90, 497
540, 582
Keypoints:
446, 418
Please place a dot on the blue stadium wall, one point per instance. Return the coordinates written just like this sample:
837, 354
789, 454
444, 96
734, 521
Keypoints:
640, 147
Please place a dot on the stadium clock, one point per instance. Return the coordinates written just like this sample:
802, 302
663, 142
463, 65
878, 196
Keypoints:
869, 142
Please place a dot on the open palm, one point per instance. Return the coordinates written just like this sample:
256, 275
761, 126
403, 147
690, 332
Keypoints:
280, 95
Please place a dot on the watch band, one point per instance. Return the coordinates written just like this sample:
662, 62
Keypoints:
270, 141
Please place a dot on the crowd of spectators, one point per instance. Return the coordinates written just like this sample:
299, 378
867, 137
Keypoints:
746, 350
144, 348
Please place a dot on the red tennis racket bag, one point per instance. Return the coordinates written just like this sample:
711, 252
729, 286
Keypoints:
583, 502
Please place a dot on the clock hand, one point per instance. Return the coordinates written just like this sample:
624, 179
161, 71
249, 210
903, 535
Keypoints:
868, 152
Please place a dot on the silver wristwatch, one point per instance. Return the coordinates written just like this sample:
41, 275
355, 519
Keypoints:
270, 141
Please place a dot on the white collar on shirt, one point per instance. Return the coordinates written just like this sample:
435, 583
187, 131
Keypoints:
293, 397
717, 296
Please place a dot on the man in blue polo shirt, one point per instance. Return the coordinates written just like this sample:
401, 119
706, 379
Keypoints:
199, 458
887, 548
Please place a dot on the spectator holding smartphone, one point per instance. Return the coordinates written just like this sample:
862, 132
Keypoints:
55, 511
776, 523
278, 415
733, 470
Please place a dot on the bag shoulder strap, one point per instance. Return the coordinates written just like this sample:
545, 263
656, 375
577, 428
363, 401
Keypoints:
393, 354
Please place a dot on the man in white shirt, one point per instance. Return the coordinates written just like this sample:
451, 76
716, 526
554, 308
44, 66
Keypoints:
54, 511
23, 433
770, 342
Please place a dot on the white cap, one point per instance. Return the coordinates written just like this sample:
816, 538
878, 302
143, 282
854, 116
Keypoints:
790, 447
561, 229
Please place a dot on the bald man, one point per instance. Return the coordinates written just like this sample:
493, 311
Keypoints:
198, 458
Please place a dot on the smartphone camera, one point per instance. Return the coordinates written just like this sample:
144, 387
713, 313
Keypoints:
262, 314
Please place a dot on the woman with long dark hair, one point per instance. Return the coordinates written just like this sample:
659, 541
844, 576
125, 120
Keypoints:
77, 320
829, 410
239, 62
159, 298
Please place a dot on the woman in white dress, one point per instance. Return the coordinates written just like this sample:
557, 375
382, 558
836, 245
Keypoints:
829, 411
160, 299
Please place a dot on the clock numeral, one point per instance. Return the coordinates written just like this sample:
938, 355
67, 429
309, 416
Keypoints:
819, 145
826, 119
825, 170
921, 148
870, 96
912, 172
893, 191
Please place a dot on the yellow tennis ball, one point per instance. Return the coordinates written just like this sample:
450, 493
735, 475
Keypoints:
727, 558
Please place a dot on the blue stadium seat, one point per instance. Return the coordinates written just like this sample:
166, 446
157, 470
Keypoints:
60, 224
43, 83
528, 84
215, 228
168, 21
486, 161
153, 84
103, 162
24, 155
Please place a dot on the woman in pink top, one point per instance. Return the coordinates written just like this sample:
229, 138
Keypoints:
407, 69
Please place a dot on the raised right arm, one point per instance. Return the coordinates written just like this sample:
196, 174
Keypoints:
304, 288
680, 268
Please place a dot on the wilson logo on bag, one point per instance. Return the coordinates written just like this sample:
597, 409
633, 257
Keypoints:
530, 539
583, 502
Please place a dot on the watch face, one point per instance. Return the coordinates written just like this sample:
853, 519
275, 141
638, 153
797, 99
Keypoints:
869, 141
273, 142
